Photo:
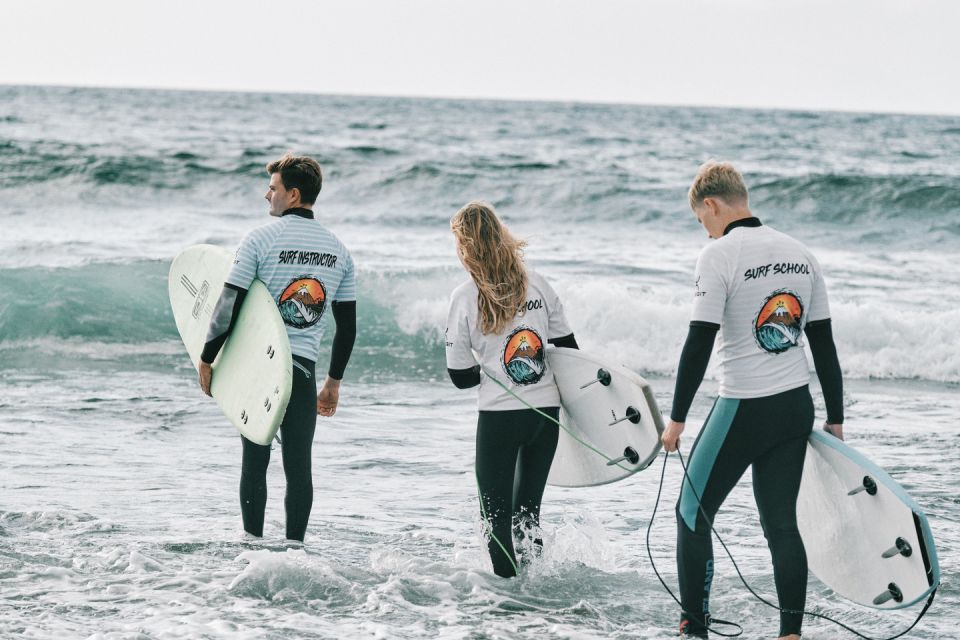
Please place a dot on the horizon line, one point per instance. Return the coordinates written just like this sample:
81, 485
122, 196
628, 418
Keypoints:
411, 96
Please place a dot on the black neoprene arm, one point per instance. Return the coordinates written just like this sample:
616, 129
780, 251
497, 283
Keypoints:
221, 323
825, 360
465, 378
567, 341
345, 317
693, 365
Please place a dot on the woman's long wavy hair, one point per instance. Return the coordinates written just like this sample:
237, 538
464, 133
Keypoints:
494, 259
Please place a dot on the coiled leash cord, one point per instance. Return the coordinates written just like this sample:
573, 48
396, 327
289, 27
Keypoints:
740, 575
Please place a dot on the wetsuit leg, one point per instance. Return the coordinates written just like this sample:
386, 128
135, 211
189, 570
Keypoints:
498, 444
253, 486
776, 483
716, 463
296, 431
533, 467
503, 476
770, 434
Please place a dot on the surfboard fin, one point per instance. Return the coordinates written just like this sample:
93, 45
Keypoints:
869, 485
629, 455
901, 548
603, 377
892, 593
632, 415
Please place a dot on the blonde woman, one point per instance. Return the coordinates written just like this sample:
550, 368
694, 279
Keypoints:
506, 314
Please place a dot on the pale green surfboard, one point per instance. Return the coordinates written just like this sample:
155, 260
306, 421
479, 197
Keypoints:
253, 374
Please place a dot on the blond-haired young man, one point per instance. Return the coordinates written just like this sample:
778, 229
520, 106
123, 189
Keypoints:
762, 291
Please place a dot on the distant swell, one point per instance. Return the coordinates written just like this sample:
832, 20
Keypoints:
49, 161
846, 198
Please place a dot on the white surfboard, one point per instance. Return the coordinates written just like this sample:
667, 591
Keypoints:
866, 539
612, 415
253, 374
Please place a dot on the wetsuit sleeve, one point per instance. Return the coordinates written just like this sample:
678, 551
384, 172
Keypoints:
457, 337
711, 282
557, 325
345, 318
693, 364
221, 323
245, 262
568, 342
465, 378
819, 306
347, 289
825, 360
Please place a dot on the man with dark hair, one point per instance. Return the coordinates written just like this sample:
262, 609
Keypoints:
299, 172
305, 267
762, 290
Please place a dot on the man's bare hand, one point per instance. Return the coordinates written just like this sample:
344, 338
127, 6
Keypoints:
671, 435
328, 397
834, 429
205, 372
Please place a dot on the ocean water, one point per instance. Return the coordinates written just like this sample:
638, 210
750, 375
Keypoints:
118, 479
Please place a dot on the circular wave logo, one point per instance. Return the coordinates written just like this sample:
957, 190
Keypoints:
302, 303
777, 327
523, 359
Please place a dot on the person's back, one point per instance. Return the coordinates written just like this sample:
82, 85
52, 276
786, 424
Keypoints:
305, 267
762, 287
516, 355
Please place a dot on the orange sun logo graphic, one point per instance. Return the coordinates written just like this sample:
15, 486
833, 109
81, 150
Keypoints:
302, 303
777, 327
523, 358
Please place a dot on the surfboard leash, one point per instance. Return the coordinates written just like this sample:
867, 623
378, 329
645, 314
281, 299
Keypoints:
653, 565
488, 528
812, 614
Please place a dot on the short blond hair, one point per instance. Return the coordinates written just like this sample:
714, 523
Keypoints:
717, 180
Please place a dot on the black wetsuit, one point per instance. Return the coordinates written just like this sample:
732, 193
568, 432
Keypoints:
514, 453
296, 432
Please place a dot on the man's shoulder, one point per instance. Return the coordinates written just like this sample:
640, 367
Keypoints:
779, 238
721, 247
324, 234
265, 231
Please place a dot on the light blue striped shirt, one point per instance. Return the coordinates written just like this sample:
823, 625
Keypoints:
305, 267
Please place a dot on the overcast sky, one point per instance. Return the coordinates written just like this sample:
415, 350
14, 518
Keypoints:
863, 55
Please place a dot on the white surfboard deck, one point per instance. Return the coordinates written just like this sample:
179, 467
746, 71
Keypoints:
846, 535
589, 411
253, 374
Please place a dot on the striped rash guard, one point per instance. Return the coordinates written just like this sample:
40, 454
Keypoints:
306, 269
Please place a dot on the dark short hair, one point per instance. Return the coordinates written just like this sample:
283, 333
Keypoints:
300, 172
